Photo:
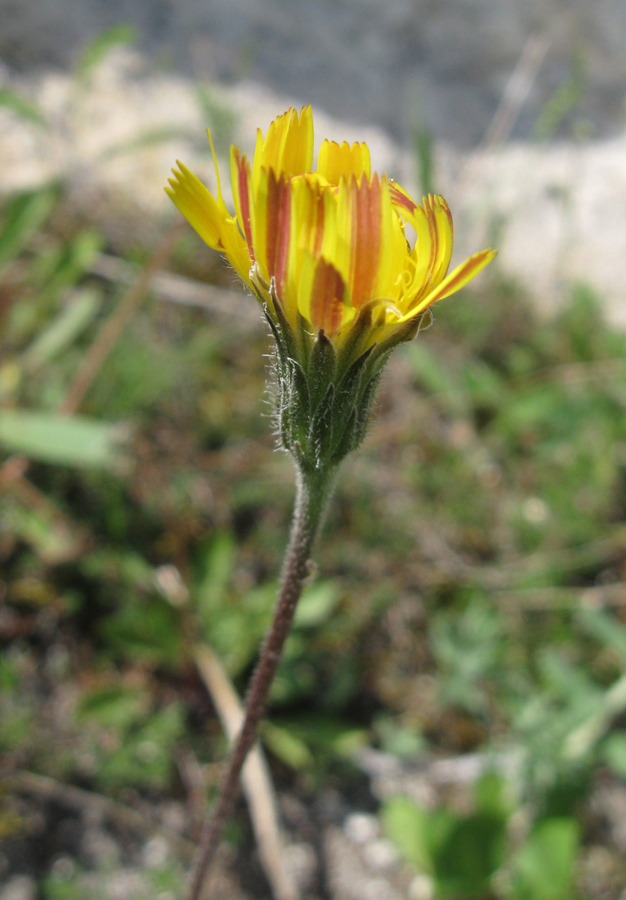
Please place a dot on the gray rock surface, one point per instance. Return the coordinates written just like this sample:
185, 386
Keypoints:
21, 887
352, 874
397, 63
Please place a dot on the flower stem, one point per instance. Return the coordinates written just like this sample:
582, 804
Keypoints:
313, 489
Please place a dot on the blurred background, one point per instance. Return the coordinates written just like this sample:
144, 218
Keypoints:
450, 718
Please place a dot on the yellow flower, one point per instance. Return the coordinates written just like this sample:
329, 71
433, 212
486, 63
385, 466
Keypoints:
329, 242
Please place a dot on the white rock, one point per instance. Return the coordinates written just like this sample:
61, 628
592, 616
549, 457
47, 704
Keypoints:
378, 889
156, 852
361, 828
381, 855
421, 888
99, 848
21, 887
301, 862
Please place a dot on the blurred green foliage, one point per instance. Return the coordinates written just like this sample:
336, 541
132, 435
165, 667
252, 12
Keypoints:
95, 52
466, 855
461, 853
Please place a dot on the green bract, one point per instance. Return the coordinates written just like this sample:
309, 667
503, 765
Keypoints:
323, 394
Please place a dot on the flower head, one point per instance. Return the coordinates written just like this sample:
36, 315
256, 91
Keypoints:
325, 252
325, 243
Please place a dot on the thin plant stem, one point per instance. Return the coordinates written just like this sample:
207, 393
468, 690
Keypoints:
313, 491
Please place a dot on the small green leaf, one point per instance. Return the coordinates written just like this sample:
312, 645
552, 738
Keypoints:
467, 853
53, 545
407, 825
144, 755
217, 567
605, 628
316, 605
64, 330
112, 707
25, 216
21, 107
287, 746
98, 50
73, 264
401, 742
47, 437
544, 868
490, 795
149, 632
614, 753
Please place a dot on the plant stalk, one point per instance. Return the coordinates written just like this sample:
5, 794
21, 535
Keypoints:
313, 489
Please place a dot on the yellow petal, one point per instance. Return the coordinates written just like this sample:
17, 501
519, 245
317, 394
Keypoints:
261, 201
440, 212
297, 155
277, 224
432, 252
336, 161
236, 250
203, 213
424, 253
337, 229
330, 241
307, 223
366, 220
456, 280
288, 146
242, 195
197, 205
394, 255
323, 295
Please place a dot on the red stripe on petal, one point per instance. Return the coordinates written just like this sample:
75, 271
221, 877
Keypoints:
402, 200
278, 223
365, 200
271, 221
327, 298
243, 178
434, 231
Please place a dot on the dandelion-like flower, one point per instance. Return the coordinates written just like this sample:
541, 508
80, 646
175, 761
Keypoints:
326, 254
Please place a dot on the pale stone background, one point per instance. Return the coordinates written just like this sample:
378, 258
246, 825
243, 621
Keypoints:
395, 63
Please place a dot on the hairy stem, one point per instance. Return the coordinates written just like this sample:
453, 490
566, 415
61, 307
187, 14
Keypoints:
313, 490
